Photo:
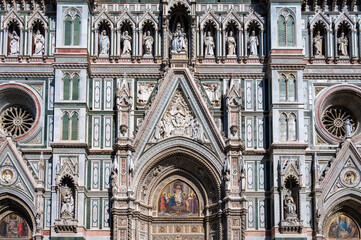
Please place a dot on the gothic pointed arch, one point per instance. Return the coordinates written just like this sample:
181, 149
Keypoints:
320, 16
345, 17
103, 17
174, 4
232, 17
126, 17
210, 17
38, 16
13, 15
148, 16
255, 18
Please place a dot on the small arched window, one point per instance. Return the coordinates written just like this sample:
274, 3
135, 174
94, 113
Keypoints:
283, 127
286, 29
292, 127
65, 127
70, 126
287, 130
74, 126
287, 88
72, 29
71, 87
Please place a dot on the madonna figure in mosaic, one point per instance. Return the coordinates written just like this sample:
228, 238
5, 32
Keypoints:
343, 227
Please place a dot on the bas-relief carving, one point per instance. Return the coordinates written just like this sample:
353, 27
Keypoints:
213, 91
178, 120
144, 91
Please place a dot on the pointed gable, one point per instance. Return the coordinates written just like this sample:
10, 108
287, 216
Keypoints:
38, 16
179, 88
16, 174
342, 172
13, 15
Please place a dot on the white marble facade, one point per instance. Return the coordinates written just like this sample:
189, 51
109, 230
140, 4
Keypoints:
180, 119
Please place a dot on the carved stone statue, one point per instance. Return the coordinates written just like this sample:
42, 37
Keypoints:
253, 44
179, 40
104, 43
209, 45
290, 206
14, 43
130, 161
317, 43
114, 181
231, 44
342, 45
127, 44
39, 42
148, 44
67, 206
348, 128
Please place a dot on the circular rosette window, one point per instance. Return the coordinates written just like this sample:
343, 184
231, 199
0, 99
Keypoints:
334, 107
19, 111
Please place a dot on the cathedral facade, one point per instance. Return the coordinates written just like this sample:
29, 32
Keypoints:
180, 119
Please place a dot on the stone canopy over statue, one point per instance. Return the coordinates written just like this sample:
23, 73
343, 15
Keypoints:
179, 40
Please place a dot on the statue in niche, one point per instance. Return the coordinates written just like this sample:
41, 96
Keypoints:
127, 46
231, 44
179, 40
39, 42
342, 45
290, 206
104, 43
130, 162
209, 45
14, 43
348, 128
67, 206
253, 44
317, 43
196, 130
148, 44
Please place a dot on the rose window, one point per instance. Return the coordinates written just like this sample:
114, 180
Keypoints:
334, 118
16, 120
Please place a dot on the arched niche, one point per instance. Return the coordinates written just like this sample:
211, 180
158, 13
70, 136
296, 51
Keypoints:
179, 18
209, 35
104, 33
253, 36
16, 218
149, 34
38, 38
232, 40
127, 32
344, 39
14, 38
319, 38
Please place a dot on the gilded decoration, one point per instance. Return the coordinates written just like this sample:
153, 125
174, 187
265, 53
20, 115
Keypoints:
343, 227
178, 199
8, 176
14, 227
